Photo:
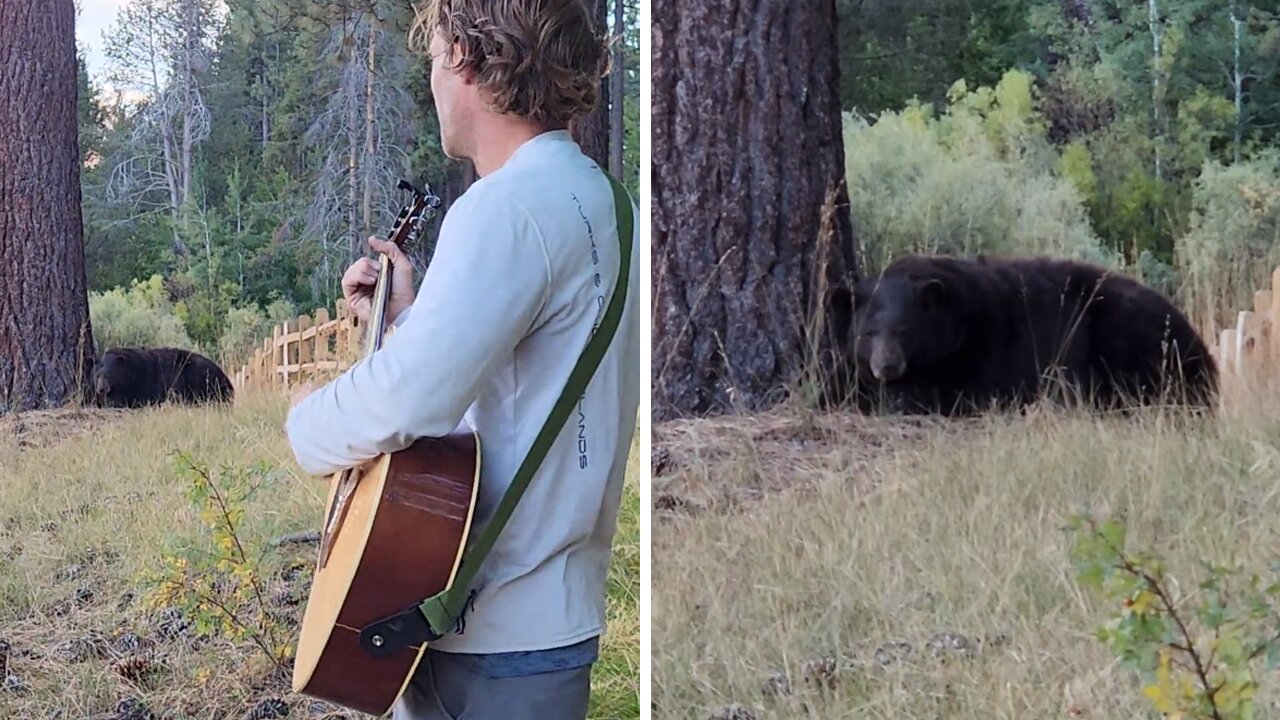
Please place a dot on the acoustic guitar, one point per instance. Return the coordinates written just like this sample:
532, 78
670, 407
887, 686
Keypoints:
393, 534
392, 574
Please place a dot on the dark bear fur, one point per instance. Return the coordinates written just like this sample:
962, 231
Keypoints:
134, 377
936, 334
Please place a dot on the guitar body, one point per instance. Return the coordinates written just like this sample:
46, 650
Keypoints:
394, 533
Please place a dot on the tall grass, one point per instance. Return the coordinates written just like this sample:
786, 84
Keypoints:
88, 500
890, 570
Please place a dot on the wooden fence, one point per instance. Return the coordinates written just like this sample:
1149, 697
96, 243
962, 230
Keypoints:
1248, 353
304, 349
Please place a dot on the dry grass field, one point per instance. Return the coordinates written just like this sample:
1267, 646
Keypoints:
832, 566
91, 502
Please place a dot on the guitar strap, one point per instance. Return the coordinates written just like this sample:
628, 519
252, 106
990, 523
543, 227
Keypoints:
431, 619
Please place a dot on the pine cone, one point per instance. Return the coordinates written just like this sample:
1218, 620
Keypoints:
15, 685
133, 709
821, 672
735, 712
133, 667
268, 709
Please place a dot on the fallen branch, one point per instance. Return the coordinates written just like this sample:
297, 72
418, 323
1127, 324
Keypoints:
297, 538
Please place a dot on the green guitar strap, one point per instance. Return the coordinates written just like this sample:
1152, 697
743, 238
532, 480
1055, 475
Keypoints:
442, 610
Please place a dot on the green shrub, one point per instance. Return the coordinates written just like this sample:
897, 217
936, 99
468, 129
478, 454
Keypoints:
140, 315
246, 326
1233, 243
980, 178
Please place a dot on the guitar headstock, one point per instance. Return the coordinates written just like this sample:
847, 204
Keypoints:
421, 207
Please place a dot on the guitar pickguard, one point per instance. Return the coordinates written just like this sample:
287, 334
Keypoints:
337, 514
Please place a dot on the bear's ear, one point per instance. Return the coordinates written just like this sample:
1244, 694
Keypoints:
933, 292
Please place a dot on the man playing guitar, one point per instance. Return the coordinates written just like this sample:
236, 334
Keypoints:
523, 267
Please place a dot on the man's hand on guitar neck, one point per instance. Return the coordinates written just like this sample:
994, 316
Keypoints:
359, 280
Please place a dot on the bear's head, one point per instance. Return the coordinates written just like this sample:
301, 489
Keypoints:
115, 375
900, 324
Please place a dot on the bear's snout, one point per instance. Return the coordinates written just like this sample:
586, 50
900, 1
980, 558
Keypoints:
887, 362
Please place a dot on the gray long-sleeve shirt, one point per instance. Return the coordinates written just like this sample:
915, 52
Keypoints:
524, 266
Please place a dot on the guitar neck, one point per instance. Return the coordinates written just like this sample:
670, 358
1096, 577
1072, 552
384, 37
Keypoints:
411, 216
378, 313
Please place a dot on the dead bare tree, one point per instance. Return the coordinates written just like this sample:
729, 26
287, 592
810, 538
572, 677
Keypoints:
161, 50
361, 150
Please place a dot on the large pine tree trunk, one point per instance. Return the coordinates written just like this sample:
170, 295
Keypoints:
46, 346
592, 130
751, 229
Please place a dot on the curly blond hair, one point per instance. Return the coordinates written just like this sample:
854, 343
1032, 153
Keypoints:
537, 59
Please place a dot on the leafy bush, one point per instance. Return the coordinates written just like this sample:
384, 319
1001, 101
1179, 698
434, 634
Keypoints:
1233, 243
980, 178
1156, 273
246, 326
139, 315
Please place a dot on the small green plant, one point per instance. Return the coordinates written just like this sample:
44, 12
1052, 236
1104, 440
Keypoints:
217, 578
1198, 656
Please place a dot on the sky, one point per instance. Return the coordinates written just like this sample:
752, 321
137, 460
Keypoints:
95, 17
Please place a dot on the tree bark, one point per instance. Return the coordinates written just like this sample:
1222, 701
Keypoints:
458, 176
367, 227
592, 130
188, 87
751, 227
46, 343
1157, 97
617, 93
356, 245
1237, 84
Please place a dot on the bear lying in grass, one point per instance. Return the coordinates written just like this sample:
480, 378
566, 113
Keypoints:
135, 377
936, 334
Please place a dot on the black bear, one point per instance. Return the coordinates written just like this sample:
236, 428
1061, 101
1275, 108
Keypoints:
939, 334
133, 377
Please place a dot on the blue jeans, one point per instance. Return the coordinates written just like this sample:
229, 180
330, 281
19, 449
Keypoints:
545, 685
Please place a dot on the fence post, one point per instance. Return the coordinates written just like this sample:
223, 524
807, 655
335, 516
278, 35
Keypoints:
322, 337
1243, 319
1226, 343
1273, 319
265, 358
277, 351
304, 349
1262, 331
